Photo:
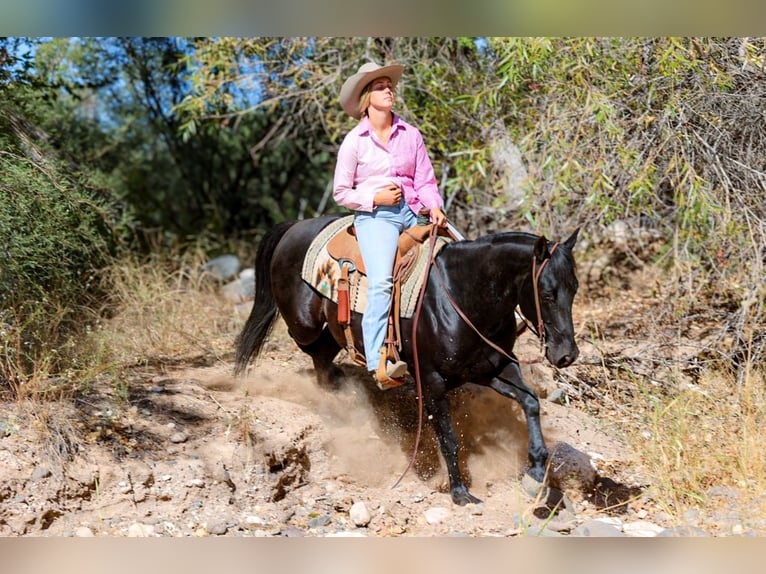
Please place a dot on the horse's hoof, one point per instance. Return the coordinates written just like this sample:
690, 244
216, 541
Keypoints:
461, 497
332, 380
536, 472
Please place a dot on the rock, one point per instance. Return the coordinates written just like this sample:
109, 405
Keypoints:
436, 515
178, 437
83, 532
223, 267
541, 531
218, 528
564, 521
319, 521
558, 396
242, 289
359, 514
40, 473
641, 528
597, 529
571, 470
139, 530
683, 532
247, 283
252, 521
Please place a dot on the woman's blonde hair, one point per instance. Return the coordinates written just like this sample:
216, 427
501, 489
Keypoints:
364, 99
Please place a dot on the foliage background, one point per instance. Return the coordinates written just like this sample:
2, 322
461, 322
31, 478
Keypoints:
115, 146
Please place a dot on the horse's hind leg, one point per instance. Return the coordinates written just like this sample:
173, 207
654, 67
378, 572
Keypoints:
512, 385
437, 406
323, 351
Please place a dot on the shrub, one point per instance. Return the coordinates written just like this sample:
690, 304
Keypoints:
56, 232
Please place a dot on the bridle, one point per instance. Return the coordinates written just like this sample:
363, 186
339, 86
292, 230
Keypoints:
536, 273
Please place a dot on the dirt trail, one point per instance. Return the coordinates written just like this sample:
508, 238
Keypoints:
194, 451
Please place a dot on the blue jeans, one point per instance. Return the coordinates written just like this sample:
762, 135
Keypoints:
378, 235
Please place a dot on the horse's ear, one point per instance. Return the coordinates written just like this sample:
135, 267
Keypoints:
570, 243
541, 249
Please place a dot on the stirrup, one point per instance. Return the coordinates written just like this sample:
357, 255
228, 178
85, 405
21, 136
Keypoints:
390, 376
387, 382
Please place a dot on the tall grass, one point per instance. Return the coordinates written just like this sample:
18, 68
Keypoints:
164, 309
702, 447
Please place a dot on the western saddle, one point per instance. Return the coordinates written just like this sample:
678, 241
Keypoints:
344, 248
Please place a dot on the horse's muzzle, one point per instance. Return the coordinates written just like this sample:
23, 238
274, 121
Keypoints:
564, 359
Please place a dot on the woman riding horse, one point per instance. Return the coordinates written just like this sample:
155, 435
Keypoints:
384, 175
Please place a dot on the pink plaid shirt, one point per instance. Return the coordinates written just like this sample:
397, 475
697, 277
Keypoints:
365, 166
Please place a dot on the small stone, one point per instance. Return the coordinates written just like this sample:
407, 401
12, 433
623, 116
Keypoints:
436, 515
541, 531
558, 396
641, 528
359, 514
218, 528
683, 532
178, 437
597, 529
319, 521
139, 530
40, 473
83, 532
253, 520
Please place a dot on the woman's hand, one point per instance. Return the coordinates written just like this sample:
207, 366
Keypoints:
438, 218
390, 195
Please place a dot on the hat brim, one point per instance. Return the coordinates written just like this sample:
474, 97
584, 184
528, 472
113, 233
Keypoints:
353, 86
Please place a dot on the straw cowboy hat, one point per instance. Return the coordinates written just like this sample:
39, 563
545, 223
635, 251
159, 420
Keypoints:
353, 86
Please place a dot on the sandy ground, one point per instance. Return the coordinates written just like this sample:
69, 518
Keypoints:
188, 450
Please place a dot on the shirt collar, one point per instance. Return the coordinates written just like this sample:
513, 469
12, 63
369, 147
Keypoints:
364, 125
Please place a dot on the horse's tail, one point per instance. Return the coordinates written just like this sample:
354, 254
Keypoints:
264, 311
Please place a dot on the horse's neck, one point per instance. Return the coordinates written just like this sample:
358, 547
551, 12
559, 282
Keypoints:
489, 266
501, 256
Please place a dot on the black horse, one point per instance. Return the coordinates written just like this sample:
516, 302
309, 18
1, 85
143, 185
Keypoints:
485, 279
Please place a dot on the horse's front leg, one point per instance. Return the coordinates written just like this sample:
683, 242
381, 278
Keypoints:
437, 406
511, 384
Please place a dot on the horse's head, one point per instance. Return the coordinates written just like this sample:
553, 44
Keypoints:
550, 302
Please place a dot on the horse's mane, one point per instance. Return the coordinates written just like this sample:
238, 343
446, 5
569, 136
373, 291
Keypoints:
564, 269
501, 237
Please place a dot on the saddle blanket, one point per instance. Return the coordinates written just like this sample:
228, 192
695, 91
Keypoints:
322, 271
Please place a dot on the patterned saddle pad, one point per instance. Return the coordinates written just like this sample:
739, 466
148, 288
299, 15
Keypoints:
322, 272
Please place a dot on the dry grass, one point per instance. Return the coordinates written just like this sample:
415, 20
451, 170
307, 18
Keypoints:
164, 312
161, 314
702, 449
699, 446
